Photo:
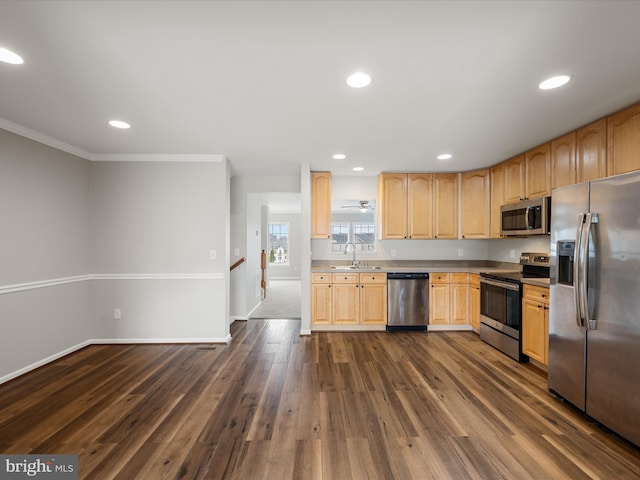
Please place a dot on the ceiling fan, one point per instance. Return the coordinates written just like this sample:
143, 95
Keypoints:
364, 206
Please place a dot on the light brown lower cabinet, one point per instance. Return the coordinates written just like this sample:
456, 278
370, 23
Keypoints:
474, 300
535, 323
449, 299
345, 299
321, 298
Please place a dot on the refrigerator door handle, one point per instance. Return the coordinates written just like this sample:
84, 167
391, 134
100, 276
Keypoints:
591, 218
576, 271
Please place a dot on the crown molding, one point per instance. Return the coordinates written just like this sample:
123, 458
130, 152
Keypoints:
99, 157
150, 157
44, 139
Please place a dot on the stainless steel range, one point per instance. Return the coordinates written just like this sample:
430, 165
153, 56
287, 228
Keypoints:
501, 304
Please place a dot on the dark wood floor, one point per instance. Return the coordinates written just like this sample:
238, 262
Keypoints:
274, 405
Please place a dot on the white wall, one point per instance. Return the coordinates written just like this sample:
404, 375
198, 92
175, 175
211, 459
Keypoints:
499, 249
44, 243
154, 226
81, 238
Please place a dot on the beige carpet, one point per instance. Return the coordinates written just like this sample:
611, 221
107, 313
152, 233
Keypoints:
283, 300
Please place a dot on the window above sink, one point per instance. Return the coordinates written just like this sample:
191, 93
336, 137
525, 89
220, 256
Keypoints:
350, 224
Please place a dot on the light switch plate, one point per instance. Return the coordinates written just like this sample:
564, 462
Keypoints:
212, 255
236, 252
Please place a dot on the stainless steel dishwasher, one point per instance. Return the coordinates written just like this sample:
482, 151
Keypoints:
407, 301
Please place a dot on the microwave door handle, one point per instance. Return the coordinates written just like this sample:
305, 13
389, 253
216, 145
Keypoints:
527, 214
590, 219
576, 270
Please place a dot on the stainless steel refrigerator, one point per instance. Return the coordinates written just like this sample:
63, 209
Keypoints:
594, 323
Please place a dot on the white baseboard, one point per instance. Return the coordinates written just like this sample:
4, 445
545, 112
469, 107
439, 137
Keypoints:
104, 341
305, 332
253, 310
44, 361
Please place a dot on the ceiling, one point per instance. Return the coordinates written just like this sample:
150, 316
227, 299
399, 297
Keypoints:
264, 82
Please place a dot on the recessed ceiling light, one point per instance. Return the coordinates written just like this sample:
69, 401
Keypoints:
358, 80
357, 169
339, 156
554, 82
8, 56
444, 156
119, 124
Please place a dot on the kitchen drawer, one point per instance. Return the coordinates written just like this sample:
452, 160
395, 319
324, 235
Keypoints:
438, 278
373, 278
320, 278
346, 278
474, 279
538, 294
459, 278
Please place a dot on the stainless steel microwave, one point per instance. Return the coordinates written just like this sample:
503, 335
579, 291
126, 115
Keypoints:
528, 217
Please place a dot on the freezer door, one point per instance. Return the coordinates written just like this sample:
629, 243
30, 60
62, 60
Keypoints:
613, 345
566, 370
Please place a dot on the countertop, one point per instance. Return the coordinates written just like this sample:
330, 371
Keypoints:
427, 266
423, 266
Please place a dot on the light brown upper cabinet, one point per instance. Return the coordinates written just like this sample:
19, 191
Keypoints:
563, 160
392, 206
623, 145
538, 171
591, 151
514, 189
420, 205
497, 198
476, 204
405, 205
320, 204
445, 205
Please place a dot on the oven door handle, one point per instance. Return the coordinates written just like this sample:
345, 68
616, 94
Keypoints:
498, 283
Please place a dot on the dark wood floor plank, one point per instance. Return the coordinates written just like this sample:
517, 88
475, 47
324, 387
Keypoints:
307, 462
272, 404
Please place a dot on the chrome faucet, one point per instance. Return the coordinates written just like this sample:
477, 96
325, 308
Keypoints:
354, 262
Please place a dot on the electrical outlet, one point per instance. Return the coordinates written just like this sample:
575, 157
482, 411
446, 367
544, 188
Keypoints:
512, 254
460, 252
393, 252
212, 255
117, 314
